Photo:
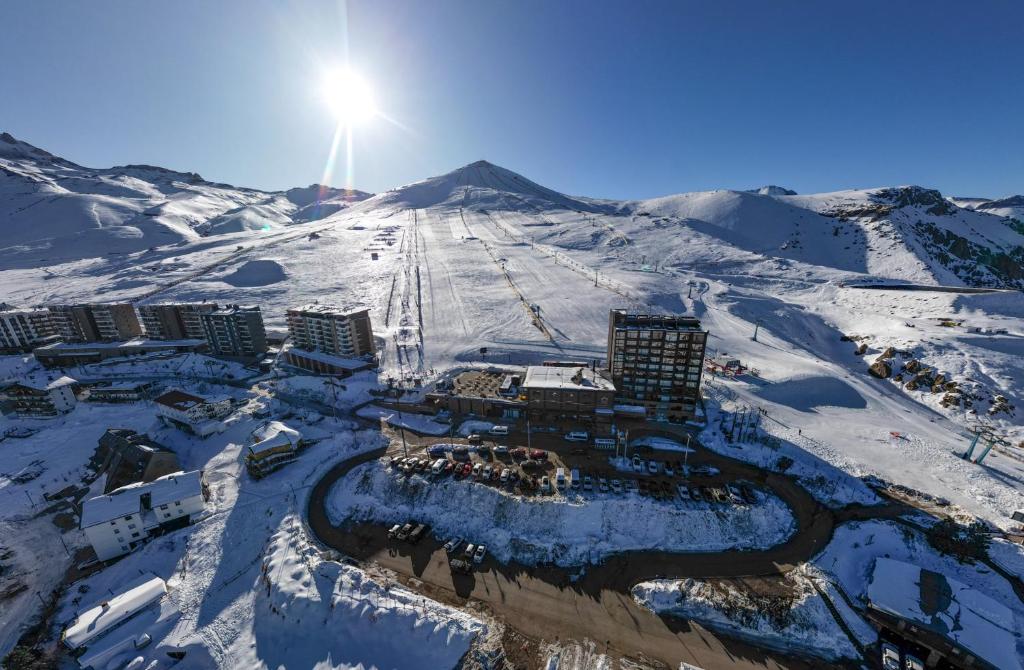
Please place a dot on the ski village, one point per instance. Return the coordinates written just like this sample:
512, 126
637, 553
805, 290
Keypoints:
476, 423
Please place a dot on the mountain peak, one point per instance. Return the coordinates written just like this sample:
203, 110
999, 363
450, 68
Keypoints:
12, 147
772, 189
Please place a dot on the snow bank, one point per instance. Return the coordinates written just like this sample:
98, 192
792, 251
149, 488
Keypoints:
262, 272
567, 532
419, 423
1007, 555
798, 621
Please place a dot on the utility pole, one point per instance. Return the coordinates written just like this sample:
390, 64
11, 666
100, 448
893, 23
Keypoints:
757, 324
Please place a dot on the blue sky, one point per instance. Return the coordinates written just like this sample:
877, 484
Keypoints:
608, 99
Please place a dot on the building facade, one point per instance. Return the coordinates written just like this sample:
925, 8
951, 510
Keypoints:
121, 520
39, 398
64, 354
332, 330
181, 321
235, 332
580, 393
23, 329
655, 362
96, 322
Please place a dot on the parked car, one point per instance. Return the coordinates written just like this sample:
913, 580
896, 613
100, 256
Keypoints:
652, 467
616, 486
437, 450
418, 532
501, 450
404, 531
421, 464
704, 470
498, 430
438, 466
449, 467
577, 436
478, 469
460, 453
393, 531
638, 464
734, 494
631, 486
588, 483
474, 439
912, 663
530, 463
696, 494
478, 555
602, 485
574, 477
495, 473
459, 565
890, 657
539, 455
545, 484
467, 553
487, 472
669, 470
684, 493
483, 450
519, 453
452, 545
505, 474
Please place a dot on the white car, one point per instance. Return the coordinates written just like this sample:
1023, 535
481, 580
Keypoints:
638, 464
602, 485
913, 663
478, 555
890, 657
616, 486
505, 473
652, 467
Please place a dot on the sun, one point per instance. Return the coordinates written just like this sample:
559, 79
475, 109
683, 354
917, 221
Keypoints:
348, 96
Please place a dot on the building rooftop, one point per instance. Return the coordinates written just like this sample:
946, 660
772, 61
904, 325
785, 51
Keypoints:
329, 310
623, 319
275, 435
128, 499
139, 342
98, 620
570, 379
229, 310
180, 400
946, 607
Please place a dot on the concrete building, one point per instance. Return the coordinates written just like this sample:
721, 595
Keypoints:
177, 321
119, 521
23, 329
65, 354
655, 362
96, 322
114, 392
192, 413
39, 397
332, 330
577, 393
320, 363
235, 332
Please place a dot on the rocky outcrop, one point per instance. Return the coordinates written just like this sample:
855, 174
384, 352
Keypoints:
881, 369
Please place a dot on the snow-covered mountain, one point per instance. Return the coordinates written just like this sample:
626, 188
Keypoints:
54, 210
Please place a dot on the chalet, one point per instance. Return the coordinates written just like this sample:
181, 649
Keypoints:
275, 445
39, 397
192, 413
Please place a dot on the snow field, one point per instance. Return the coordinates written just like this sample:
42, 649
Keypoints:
565, 531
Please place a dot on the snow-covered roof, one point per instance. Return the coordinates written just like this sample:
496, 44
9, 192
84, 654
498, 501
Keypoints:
98, 620
42, 383
568, 379
337, 361
138, 343
275, 435
180, 400
329, 310
947, 607
128, 499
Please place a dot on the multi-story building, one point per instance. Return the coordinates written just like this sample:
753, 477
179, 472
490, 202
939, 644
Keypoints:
182, 321
64, 354
39, 398
332, 330
119, 521
579, 393
235, 332
655, 362
23, 329
96, 322
192, 413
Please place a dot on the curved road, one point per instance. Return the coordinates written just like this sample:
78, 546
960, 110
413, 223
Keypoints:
546, 603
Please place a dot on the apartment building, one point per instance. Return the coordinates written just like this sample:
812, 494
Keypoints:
235, 332
332, 330
39, 397
117, 522
175, 321
96, 322
23, 329
655, 362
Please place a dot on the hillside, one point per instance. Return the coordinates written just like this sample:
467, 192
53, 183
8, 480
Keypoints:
55, 211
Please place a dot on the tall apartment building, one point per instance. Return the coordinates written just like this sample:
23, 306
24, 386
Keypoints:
24, 329
96, 322
235, 331
331, 330
175, 321
655, 362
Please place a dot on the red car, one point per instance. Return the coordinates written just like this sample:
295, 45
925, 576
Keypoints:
448, 467
539, 454
519, 453
467, 469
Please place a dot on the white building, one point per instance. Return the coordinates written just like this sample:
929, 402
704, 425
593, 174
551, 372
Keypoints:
192, 413
337, 331
275, 444
119, 521
39, 397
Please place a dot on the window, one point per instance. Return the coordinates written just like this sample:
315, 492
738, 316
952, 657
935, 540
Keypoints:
117, 530
167, 515
113, 523
128, 518
177, 503
135, 534
163, 506
131, 526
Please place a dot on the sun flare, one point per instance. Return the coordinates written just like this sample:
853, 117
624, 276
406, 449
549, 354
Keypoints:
349, 97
